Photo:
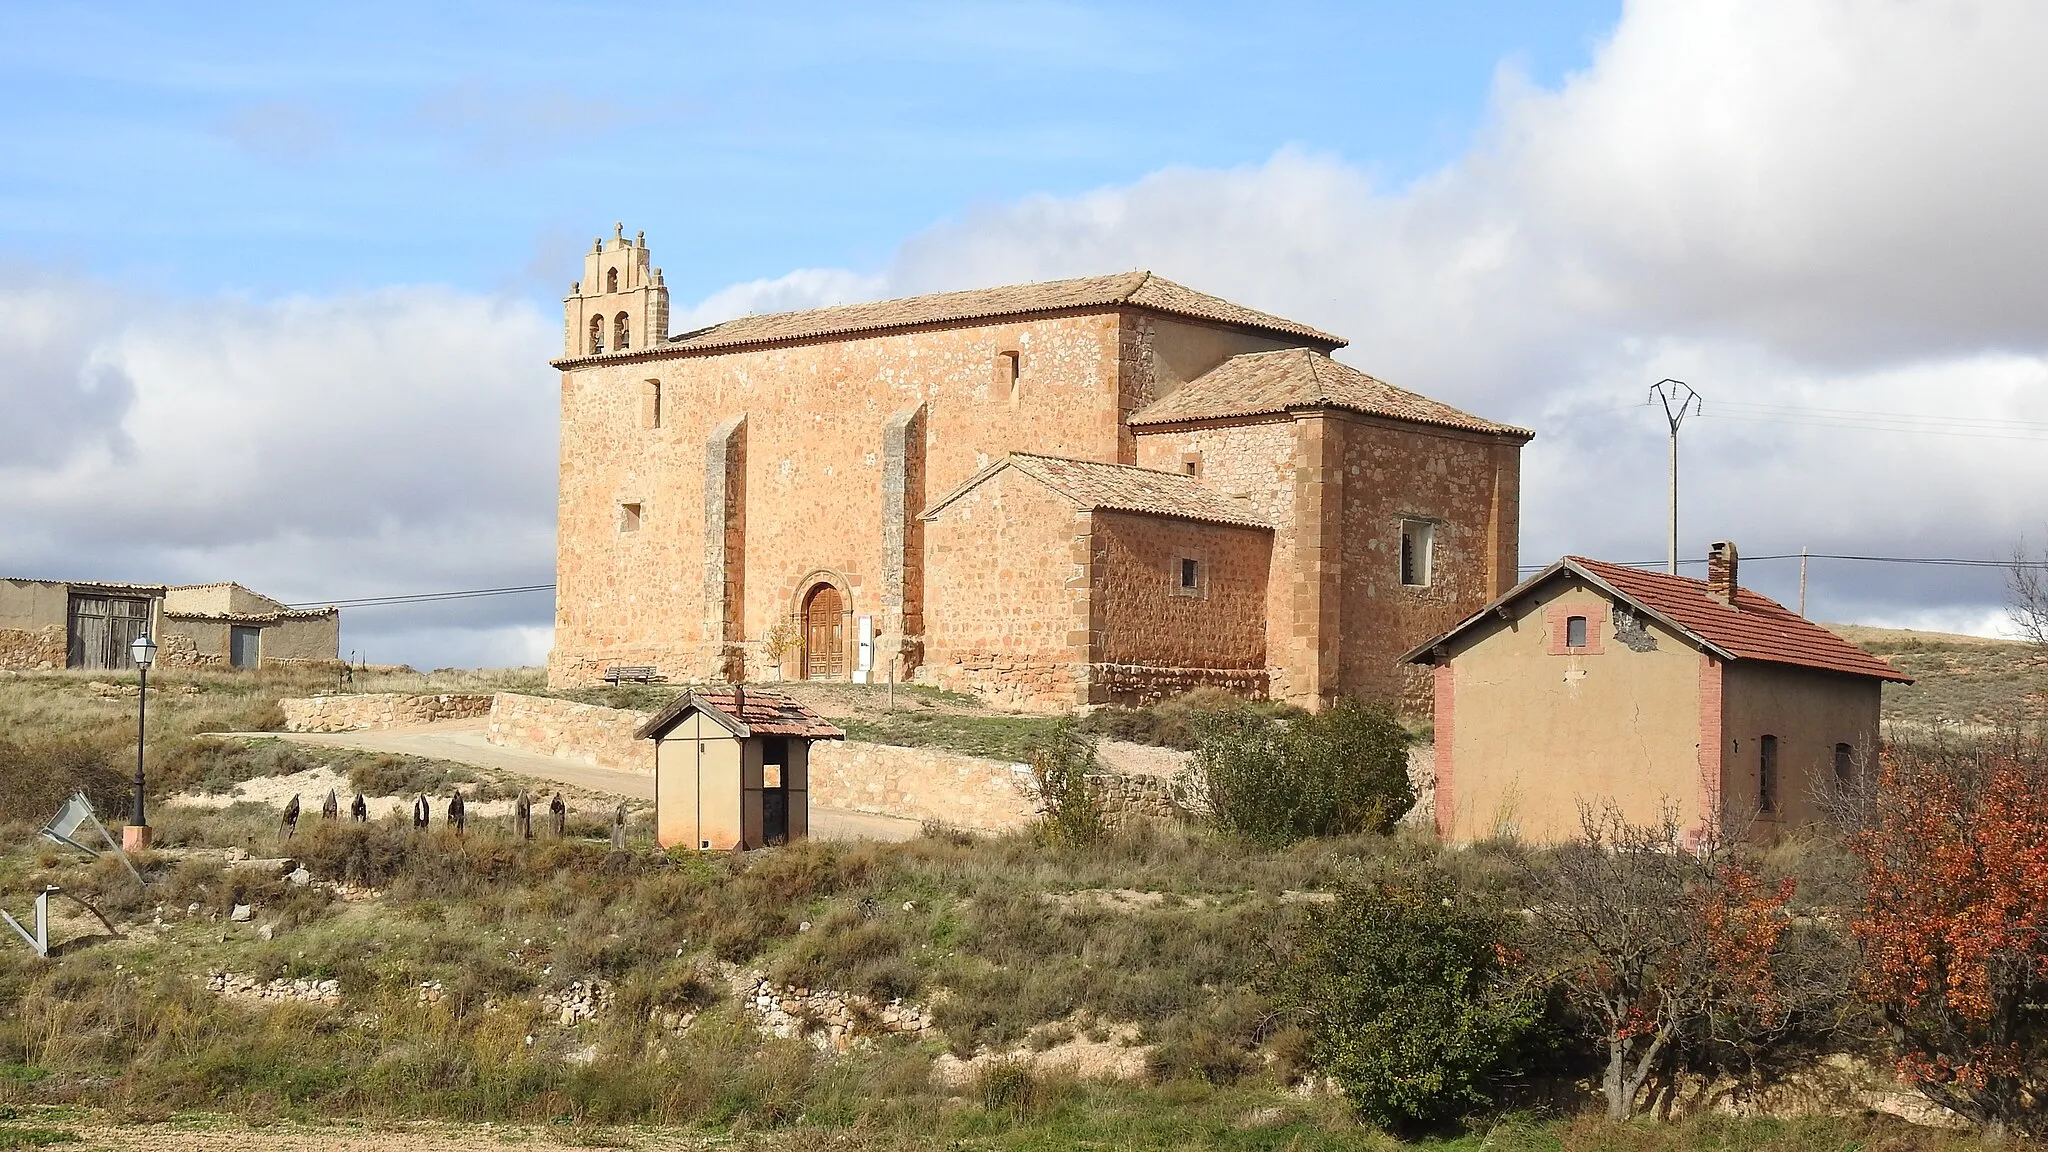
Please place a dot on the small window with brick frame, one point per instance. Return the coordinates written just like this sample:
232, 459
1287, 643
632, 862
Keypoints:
1575, 632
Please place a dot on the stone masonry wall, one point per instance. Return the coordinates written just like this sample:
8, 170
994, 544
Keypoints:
1148, 619
814, 472
1392, 473
922, 784
1253, 461
378, 710
587, 734
33, 649
1007, 576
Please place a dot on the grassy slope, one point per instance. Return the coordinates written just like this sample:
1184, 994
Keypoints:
1958, 680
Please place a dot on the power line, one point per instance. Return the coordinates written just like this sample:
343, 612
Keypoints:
425, 597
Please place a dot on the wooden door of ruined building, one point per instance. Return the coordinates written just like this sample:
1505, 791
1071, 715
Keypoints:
824, 634
102, 628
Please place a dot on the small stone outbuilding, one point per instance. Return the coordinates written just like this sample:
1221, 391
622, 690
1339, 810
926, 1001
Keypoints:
49, 624
732, 769
1592, 683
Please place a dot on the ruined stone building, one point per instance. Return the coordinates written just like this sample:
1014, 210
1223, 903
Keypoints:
1103, 489
46, 624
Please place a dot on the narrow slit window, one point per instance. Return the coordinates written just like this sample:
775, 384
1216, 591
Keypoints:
1190, 575
1767, 774
1418, 548
650, 404
1008, 375
1575, 632
629, 518
1845, 765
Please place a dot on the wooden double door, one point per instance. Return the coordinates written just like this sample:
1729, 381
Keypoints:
824, 634
101, 628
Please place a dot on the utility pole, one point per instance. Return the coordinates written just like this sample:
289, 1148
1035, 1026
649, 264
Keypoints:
1677, 405
1802, 579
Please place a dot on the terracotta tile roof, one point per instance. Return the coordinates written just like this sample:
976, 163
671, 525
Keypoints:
761, 713
1755, 628
1118, 488
1257, 383
1140, 289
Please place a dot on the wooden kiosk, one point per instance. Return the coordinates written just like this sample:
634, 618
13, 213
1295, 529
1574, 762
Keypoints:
732, 768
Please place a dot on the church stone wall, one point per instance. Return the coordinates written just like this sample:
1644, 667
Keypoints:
1464, 485
814, 475
1157, 638
1006, 595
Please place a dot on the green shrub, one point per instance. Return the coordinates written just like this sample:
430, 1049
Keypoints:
1073, 810
1340, 771
1403, 985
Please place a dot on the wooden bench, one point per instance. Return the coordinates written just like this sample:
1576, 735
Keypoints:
636, 674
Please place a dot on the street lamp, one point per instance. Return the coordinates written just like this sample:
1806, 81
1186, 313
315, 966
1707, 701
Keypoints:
135, 837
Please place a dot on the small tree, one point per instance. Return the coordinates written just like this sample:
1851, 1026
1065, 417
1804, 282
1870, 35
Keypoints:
1651, 940
2026, 584
1339, 771
1954, 929
1072, 806
1409, 989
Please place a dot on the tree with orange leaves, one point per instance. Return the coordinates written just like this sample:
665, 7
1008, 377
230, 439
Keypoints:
1655, 941
1954, 843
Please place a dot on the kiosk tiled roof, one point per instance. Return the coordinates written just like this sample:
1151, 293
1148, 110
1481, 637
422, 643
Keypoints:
744, 711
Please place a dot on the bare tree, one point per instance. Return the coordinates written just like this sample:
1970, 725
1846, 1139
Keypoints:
2026, 584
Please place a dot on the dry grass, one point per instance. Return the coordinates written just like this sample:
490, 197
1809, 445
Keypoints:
1967, 683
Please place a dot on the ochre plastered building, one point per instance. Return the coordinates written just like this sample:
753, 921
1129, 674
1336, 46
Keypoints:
1104, 489
1593, 684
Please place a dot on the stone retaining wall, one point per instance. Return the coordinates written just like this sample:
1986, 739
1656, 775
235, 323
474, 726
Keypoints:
587, 734
374, 710
33, 649
1126, 797
922, 784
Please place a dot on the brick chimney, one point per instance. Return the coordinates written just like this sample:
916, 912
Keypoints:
1722, 578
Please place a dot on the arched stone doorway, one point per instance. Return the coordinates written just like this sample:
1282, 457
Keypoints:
824, 631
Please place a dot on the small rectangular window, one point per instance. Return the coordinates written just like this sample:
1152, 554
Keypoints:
1418, 545
1575, 632
1767, 774
650, 404
1845, 765
1190, 575
1191, 464
629, 518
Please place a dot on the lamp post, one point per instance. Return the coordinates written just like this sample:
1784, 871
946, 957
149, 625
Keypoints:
135, 836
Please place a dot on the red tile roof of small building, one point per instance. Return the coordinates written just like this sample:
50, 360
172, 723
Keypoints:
1118, 488
1260, 383
1755, 628
759, 712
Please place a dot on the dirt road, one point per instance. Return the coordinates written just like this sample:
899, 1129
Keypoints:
466, 742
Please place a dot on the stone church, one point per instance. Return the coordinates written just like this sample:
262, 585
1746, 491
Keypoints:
1107, 489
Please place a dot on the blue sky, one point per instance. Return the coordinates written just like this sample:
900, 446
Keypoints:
278, 148
278, 283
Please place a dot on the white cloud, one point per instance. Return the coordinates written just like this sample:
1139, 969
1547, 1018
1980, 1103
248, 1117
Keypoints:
389, 442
